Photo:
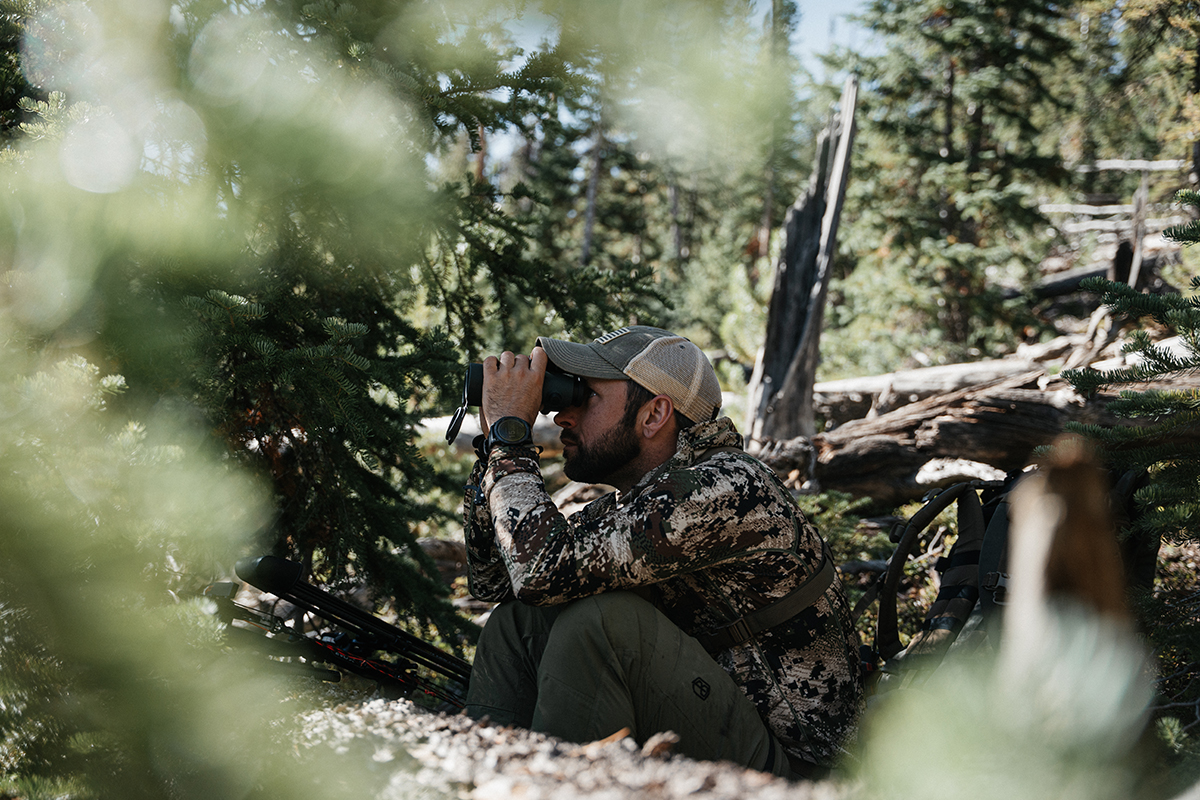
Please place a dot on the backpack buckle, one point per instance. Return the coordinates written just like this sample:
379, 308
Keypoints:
997, 584
739, 631
731, 635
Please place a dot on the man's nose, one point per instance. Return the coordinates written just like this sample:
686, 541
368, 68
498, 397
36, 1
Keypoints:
566, 417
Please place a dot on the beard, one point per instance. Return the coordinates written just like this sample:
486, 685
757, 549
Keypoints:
597, 462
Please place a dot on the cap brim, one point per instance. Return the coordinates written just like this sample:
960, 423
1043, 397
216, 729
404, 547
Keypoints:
579, 359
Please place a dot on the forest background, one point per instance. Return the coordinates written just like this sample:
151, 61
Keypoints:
249, 247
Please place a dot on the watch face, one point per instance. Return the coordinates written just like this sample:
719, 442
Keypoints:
511, 430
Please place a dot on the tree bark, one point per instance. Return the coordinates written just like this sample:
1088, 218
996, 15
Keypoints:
996, 424
1194, 173
1140, 200
781, 387
843, 401
676, 226
589, 215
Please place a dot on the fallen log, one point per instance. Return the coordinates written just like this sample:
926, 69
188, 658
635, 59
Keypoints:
841, 401
997, 424
857, 398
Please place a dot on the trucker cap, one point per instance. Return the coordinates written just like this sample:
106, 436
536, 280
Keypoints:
657, 360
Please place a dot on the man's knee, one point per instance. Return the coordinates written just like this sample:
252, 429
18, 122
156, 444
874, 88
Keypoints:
504, 676
517, 627
588, 679
611, 633
615, 661
622, 618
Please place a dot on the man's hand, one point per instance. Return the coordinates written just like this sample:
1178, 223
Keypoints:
512, 386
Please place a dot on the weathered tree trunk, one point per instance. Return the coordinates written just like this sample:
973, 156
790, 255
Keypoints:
781, 387
1140, 199
589, 217
481, 156
1194, 172
676, 227
997, 423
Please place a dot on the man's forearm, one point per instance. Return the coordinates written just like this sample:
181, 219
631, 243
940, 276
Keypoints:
680, 524
487, 576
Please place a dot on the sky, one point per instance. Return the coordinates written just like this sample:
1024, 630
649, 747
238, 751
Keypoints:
822, 25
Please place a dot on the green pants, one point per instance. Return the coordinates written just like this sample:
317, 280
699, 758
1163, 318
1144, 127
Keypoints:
585, 670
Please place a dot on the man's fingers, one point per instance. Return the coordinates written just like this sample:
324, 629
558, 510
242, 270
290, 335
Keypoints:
512, 385
509, 360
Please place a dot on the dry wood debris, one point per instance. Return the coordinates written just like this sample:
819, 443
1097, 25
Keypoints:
435, 755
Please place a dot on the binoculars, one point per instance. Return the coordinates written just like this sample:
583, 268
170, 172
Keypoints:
559, 391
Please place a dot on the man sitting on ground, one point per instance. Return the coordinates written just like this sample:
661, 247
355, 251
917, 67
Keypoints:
697, 598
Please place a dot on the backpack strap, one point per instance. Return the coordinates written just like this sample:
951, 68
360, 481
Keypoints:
783, 609
993, 561
959, 585
750, 625
887, 638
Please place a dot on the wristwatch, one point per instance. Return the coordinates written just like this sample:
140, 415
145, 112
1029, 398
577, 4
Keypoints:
511, 431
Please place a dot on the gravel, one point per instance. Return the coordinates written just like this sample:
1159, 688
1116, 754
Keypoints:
424, 754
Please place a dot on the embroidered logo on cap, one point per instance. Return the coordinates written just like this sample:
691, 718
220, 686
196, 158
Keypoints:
608, 337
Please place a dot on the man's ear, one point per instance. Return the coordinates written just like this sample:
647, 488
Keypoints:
655, 415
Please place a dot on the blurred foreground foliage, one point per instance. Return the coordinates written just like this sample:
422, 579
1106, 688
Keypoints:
106, 691
242, 263
248, 247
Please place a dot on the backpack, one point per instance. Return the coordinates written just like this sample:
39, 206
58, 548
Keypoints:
973, 578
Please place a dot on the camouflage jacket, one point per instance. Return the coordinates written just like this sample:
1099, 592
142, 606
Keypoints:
712, 541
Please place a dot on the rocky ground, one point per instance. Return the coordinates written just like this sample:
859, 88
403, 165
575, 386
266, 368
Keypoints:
422, 754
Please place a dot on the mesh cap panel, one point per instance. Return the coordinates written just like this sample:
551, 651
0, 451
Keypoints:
679, 369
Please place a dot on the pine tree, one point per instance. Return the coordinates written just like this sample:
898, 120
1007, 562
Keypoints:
1160, 441
15, 89
1161, 41
944, 190
317, 357
683, 209
1098, 115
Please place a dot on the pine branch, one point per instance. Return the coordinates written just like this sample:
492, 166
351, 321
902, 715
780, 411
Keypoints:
1189, 232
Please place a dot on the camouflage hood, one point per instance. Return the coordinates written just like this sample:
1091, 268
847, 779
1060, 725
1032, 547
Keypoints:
694, 442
